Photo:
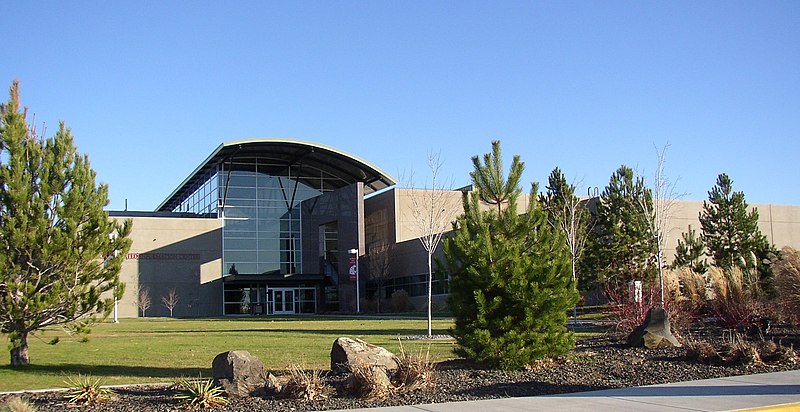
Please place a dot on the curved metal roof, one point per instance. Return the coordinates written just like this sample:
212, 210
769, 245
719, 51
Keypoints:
305, 158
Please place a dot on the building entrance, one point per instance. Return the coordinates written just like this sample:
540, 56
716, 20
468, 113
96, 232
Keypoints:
283, 301
260, 299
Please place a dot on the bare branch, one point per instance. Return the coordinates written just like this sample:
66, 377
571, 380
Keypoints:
658, 215
171, 300
433, 209
143, 299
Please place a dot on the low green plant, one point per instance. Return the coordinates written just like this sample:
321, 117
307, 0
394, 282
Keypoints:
200, 393
16, 404
86, 390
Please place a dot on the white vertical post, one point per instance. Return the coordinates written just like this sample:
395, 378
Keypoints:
112, 237
354, 252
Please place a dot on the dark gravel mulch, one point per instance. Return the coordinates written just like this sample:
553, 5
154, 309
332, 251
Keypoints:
596, 363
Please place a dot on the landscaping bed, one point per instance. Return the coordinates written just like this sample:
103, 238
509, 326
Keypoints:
601, 362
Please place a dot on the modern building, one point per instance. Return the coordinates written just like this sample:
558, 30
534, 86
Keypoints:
282, 226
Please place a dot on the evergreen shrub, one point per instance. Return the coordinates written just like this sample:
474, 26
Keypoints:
511, 284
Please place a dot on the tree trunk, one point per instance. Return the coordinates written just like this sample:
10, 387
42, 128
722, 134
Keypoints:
430, 293
19, 354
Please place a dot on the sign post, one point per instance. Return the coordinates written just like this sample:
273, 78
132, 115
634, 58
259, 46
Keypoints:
354, 276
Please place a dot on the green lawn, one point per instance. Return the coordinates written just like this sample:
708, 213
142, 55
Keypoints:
161, 349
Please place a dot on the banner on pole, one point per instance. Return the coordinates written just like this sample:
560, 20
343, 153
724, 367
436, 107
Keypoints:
353, 268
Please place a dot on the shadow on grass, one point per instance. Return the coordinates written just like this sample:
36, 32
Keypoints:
332, 332
109, 370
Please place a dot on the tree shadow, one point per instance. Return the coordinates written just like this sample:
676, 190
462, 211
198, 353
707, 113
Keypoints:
333, 332
110, 370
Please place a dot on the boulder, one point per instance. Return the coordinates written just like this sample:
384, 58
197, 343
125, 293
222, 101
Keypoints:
654, 332
240, 374
349, 351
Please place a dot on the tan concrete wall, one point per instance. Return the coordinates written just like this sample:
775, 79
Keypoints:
180, 253
407, 227
779, 223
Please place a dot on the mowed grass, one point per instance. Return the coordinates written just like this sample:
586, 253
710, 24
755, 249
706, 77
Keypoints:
162, 349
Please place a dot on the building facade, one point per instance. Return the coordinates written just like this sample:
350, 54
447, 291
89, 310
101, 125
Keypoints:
262, 226
281, 226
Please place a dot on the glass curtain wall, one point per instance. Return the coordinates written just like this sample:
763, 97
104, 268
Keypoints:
259, 200
261, 208
204, 199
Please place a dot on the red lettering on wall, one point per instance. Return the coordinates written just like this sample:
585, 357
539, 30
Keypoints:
162, 256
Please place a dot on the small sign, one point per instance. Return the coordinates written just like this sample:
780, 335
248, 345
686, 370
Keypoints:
353, 268
635, 291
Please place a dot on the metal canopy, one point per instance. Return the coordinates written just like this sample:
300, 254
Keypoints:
304, 159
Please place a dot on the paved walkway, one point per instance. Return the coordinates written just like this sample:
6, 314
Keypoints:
779, 391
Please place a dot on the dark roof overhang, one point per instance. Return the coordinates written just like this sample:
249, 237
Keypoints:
276, 279
305, 159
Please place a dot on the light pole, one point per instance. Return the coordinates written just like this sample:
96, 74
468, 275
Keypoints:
354, 252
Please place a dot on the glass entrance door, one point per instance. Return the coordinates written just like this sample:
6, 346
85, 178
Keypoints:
283, 301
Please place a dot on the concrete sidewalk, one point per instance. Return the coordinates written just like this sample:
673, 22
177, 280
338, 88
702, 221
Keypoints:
780, 390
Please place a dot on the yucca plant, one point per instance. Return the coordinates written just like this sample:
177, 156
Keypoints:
86, 390
200, 393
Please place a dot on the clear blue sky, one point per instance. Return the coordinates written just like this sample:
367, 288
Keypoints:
150, 88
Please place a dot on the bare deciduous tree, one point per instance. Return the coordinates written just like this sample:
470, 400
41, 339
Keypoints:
380, 262
143, 299
432, 209
171, 300
569, 214
658, 218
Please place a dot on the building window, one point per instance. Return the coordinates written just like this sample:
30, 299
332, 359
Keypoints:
260, 299
262, 229
417, 285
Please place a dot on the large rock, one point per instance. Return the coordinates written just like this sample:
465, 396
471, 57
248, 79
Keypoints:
654, 332
240, 373
349, 351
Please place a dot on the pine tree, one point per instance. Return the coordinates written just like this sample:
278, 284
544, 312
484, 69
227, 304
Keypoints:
690, 252
495, 189
61, 254
510, 282
621, 246
731, 233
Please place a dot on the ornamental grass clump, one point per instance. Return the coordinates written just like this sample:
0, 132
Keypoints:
739, 351
304, 385
368, 382
787, 284
414, 371
86, 391
200, 393
735, 305
16, 404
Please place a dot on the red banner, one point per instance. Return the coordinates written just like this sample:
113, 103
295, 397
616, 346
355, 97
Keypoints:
353, 268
